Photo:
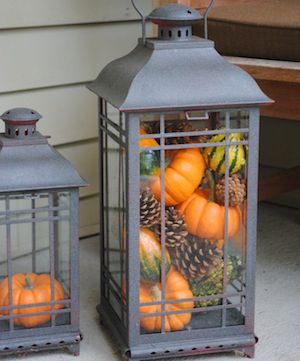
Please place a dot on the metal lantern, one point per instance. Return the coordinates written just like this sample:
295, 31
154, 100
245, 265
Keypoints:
179, 129
39, 275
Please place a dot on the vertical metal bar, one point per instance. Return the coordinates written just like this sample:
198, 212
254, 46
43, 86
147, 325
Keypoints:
120, 211
74, 244
106, 195
226, 205
101, 201
52, 256
133, 215
33, 230
163, 236
9, 263
253, 154
56, 236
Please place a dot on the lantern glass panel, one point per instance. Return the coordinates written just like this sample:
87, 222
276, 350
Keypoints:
114, 231
194, 260
35, 233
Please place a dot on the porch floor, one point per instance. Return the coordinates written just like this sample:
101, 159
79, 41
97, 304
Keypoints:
277, 295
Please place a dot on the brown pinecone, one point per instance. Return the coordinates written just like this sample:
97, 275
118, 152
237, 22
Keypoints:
176, 231
173, 126
237, 191
175, 228
151, 127
196, 257
149, 208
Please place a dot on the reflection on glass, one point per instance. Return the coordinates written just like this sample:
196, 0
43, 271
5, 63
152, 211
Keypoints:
34, 259
193, 251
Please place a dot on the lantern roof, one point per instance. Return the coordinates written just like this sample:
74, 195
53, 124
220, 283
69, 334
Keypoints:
180, 73
30, 162
176, 14
21, 115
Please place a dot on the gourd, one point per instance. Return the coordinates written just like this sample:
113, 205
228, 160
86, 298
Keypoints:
30, 289
183, 175
215, 156
206, 219
151, 257
177, 288
184, 171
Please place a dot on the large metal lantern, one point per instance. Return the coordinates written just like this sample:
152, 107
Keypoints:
179, 129
39, 275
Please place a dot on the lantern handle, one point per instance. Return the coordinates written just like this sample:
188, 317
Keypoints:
143, 21
205, 16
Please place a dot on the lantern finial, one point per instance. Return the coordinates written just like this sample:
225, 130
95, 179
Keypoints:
175, 21
20, 123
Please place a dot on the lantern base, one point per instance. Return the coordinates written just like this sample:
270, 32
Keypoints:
194, 345
34, 343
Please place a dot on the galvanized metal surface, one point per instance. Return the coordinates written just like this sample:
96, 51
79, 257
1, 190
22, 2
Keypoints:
199, 337
176, 73
21, 115
39, 198
174, 14
163, 76
30, 163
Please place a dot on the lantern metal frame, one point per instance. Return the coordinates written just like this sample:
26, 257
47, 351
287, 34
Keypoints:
164, 77
34, 172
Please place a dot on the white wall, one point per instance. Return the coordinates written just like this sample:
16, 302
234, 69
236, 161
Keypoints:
49, 50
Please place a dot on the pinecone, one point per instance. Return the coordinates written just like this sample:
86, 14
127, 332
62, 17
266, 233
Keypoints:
173, 126
176, 231
237, 191
196, 257
175, 228
212, 284
149, 208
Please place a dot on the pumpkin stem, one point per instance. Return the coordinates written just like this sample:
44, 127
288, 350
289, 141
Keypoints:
28, 283
156, 292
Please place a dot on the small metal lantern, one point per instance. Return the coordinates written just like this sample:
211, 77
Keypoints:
179, 129
39, 274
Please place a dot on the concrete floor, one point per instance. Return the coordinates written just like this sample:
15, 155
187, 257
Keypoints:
278, 296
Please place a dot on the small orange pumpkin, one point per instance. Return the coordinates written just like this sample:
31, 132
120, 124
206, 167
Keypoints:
206, 219
182, 176
177, 287
30, 289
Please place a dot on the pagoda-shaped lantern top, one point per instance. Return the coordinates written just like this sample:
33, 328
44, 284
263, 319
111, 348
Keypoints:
175, 71
27, 161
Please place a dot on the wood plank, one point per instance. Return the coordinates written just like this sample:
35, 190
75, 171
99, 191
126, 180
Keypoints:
264, 69
32, 13
287, 99
283, 182
65, 55
279, 143
200, 4
71, 120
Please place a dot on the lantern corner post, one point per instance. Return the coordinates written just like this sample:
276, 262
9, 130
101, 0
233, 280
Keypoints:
133, 264
252, 206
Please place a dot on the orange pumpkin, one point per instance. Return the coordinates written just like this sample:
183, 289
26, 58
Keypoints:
30, 289
182, 176
206, 219
147, 142
177, 287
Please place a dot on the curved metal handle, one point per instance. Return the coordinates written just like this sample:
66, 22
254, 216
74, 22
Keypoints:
205, 16
143, 21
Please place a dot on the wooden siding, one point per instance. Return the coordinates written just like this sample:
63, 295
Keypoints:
50, 51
